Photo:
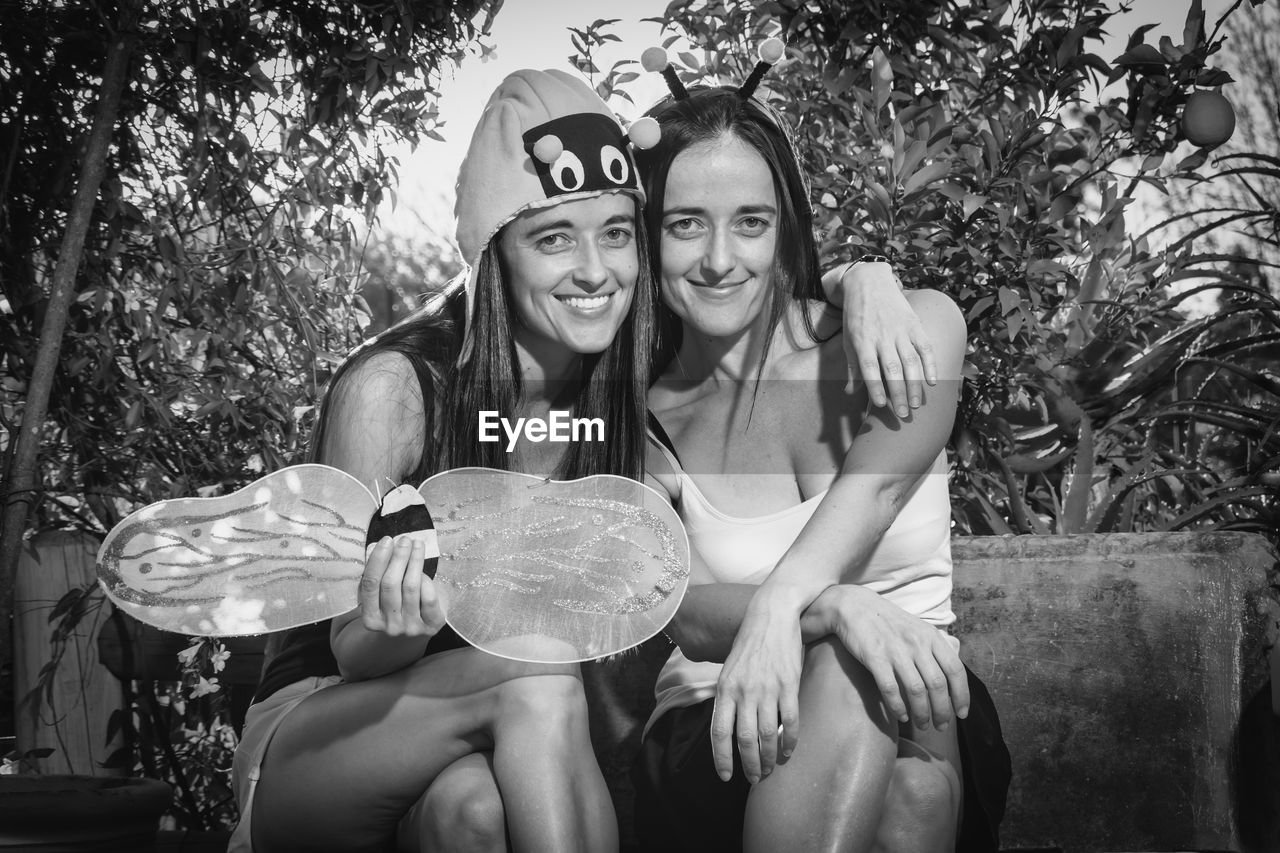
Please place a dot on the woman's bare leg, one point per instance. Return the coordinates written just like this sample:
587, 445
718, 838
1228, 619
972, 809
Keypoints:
461, 812
922, 808
351, 760
829, 795
552, 788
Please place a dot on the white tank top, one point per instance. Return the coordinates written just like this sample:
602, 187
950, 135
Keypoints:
911, 566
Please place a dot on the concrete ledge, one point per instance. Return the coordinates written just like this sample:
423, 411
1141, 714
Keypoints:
1131, 676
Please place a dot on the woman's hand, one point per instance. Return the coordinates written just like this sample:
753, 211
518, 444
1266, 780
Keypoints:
919, 674
396, 598
758, 690
884, 342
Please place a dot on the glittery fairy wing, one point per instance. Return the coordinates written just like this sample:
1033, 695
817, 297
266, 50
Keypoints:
284, 551
552, 571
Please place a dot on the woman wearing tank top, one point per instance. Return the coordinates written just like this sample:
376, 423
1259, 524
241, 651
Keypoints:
814, 674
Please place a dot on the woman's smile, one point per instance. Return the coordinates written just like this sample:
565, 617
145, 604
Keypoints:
571, 272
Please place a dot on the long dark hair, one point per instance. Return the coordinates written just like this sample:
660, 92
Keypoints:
460, 381
709, 114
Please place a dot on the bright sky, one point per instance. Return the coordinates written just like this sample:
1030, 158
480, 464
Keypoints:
533, 34
526, 34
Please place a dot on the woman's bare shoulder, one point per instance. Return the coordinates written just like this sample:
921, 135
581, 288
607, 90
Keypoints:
384, 382
375, 420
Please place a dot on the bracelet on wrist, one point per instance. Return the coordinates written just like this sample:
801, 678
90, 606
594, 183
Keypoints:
872, 259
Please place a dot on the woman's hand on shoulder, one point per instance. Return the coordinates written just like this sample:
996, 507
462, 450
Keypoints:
918, 672
885, 344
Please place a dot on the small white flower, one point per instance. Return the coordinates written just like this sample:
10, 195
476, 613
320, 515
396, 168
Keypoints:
219, 658
9, 768
205, 687
828, 200
188, 655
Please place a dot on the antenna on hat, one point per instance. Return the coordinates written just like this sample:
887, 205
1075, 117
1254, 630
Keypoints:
769, 52
644, 133
656, 59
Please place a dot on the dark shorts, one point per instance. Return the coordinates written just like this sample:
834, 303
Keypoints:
682, 805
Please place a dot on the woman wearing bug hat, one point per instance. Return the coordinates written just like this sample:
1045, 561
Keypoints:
375, 720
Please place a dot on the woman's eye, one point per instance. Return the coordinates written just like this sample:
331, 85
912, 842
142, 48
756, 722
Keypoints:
617, 237
684, 227
552, 241
754, 224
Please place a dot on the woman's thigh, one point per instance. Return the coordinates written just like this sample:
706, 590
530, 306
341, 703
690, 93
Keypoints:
350, 761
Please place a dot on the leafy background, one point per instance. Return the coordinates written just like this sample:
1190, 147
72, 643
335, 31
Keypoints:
1119, 283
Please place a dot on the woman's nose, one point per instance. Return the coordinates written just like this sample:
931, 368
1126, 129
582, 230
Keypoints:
717, 261
590, 273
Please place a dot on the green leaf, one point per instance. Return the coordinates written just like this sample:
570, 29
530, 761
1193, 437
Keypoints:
925, 176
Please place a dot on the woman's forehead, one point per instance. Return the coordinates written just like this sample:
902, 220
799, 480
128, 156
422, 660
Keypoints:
721, 171
580, 212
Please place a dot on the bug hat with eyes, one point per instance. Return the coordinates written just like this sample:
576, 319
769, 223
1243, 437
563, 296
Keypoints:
544, 138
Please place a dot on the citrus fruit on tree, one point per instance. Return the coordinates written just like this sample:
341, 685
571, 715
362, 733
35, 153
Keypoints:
1208, 119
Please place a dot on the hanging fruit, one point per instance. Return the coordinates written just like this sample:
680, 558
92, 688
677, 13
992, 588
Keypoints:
1208, 119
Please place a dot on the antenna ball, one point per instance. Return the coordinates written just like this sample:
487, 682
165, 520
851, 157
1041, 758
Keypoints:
548, 149
645, 133
654, 59
771, 50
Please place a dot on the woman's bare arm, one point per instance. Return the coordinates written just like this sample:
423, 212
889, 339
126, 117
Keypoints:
759, 685
376, 431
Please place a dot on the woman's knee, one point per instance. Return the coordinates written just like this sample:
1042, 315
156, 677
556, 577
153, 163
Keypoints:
547, 699
460, 813
922, 807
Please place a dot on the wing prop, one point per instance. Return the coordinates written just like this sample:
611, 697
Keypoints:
528, 568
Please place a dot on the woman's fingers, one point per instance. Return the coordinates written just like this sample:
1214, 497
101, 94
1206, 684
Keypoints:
957, 678
767, 733
887, 681
925, 349
914, 368
869, 372
389, 588
789, 718
430, 606
395, 596
723, 717
411, 591
939, 692
748, 741
370, 589
914, 691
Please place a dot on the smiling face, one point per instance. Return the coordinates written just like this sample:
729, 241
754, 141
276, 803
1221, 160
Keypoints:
719, 237
571, 272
